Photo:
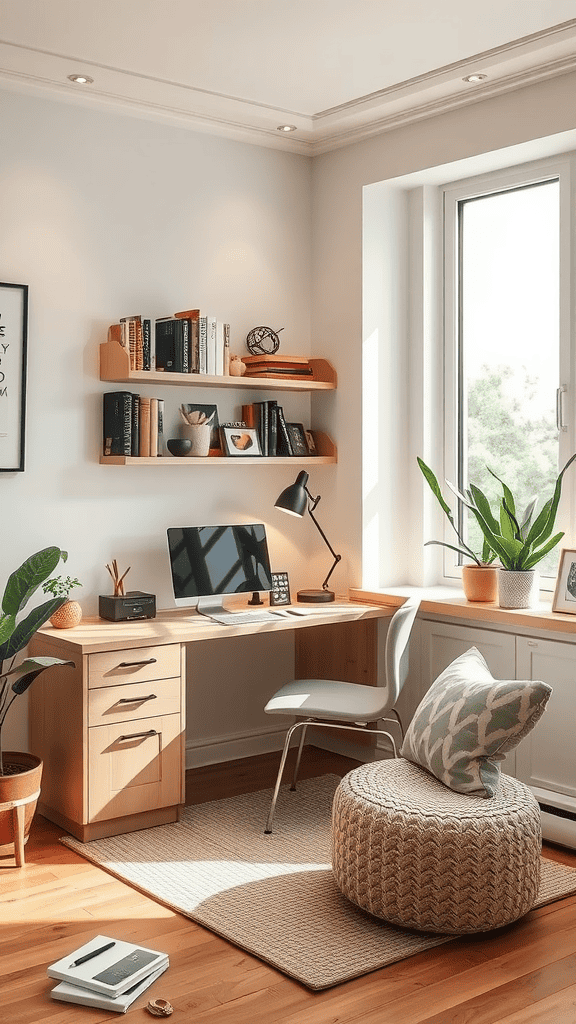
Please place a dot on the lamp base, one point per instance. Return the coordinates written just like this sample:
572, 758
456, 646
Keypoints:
315, 596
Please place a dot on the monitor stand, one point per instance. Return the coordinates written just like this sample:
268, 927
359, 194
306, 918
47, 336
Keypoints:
211, 606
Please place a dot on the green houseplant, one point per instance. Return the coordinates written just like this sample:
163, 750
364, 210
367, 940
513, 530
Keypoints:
69, 613
20, 773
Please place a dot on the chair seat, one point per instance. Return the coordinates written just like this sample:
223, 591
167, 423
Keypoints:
329, 699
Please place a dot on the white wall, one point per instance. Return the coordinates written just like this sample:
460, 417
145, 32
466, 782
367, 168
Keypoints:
102, 216
363, 210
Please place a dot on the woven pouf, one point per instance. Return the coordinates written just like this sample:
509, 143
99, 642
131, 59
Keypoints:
411, 851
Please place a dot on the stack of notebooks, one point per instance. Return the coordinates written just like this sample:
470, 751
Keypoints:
107, 973
278, 367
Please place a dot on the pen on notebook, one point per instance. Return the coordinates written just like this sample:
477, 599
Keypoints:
95, 952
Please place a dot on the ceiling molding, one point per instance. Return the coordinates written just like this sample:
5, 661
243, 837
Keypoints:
520, 63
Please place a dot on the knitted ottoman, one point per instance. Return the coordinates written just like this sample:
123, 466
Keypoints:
408, 849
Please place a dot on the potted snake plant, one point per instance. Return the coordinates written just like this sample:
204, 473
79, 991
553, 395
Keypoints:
20, 772
479, 576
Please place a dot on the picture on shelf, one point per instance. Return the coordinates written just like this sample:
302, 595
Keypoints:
298, 441
238, 439
208, 411
312, 449
565, 593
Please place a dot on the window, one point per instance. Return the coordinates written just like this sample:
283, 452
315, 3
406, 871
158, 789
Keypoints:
507, 354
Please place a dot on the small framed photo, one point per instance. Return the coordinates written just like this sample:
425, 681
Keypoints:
13, 340
240, 440
312, 449
209, 411
565, 593
298, 441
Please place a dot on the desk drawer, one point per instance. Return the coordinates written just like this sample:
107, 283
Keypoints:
111, 668
132, 701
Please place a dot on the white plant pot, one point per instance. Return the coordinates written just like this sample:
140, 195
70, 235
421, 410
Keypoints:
518, 588
199, 434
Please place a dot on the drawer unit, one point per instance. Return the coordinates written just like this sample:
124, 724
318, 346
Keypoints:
110, 668
132, 701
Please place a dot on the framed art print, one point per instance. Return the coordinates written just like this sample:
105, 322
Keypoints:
565, 593
13, 341
298, 440
239, 440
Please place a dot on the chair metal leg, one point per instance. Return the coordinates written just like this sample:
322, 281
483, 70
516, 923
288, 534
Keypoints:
298, 756
291, 730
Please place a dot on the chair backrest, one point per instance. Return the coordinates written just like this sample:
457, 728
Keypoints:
396, 653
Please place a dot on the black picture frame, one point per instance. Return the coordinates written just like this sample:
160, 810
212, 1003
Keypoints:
208, 410
298, 440
239, 441
13, 362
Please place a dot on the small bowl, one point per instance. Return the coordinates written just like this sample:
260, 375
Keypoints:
179, 445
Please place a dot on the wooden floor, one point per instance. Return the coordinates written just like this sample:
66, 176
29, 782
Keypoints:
518, 975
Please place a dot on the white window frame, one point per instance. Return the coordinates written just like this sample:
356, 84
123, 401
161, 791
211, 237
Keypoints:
561, 169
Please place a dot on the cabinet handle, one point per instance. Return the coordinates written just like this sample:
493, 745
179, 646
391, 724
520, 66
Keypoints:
532, 643
137, 700
139, 735
132, 664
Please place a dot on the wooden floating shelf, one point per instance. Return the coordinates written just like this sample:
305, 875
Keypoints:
327, 455
115, 367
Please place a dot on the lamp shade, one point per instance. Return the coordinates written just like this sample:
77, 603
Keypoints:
294, 499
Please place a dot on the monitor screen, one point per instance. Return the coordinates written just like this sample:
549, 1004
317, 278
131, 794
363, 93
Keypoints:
207, 561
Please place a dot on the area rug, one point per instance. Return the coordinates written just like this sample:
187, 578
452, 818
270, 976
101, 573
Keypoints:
274, 895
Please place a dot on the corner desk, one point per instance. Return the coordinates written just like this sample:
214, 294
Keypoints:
111, 730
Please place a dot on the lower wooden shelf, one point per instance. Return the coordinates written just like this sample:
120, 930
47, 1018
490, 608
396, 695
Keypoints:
327, 454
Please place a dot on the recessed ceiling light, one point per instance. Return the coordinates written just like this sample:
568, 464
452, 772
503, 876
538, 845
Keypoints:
475, 78
81, 79
286, 128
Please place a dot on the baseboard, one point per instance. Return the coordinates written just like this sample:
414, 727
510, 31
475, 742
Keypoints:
232, 746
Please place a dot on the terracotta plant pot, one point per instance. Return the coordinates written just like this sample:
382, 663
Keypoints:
518, 588
21, 782
480, 582
69, 614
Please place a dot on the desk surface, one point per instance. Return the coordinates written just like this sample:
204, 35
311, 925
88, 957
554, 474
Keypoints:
185, 626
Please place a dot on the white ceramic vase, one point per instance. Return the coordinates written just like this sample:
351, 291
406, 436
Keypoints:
518, 588
199, 434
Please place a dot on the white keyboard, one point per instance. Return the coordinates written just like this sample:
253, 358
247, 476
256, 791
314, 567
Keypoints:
243, 618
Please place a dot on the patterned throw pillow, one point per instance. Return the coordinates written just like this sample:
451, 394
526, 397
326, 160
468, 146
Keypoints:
468, 721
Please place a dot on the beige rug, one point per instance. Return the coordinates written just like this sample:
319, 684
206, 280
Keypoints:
271, 895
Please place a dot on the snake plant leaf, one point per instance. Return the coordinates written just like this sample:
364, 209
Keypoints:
30, 668
515, 525
527, 517
464, 498
25, 630
506, 522
507, 492
549, 525
453, 547
493, 538
434, 487
483, 506
537, 556
24, 581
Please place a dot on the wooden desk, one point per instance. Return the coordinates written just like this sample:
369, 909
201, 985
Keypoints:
111, 730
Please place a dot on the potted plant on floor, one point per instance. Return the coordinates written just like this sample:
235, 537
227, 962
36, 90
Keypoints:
20, 773
520, 541
479, 577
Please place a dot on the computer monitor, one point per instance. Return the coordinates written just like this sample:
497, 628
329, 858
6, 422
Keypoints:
208, 562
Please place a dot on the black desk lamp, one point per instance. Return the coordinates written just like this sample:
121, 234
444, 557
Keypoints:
294, 500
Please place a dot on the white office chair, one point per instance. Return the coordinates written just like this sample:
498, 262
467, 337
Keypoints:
340, 705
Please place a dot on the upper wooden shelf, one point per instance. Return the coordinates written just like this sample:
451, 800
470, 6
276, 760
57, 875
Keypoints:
115, 367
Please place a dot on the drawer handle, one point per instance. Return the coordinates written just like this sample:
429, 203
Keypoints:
139, 735
137, 700
133, 664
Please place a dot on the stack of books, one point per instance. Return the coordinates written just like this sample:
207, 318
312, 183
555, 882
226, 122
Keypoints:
107, 973
278, 367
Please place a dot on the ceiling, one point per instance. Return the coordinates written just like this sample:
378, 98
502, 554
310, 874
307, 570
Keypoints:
337, 70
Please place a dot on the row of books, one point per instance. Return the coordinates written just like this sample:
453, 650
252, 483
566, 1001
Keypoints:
183, 343
279, 367
107, 973
275, 435
132, 424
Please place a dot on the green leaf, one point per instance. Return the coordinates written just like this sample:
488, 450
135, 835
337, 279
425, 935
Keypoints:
507, 492
25, 630
527, 517
434, 487
24, 581
512, 519
549, 525
463, 551
7, 626
483, 506
493, 539
537, 556
30, 668
506, 524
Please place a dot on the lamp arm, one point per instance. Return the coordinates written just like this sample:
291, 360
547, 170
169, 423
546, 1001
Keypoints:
337, 558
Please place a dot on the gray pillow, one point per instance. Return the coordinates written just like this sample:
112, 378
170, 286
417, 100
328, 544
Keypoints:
468, 721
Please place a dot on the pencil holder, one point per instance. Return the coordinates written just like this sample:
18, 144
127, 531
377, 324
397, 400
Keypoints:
199, 434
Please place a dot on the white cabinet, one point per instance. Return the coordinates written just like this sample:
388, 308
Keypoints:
442, 642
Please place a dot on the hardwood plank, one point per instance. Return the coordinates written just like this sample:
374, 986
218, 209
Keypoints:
58, 900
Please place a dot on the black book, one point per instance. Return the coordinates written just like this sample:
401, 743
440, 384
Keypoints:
117, 422
185, 344
165, 332
135, 438
272, 428
146, 347
263, 426
284, 442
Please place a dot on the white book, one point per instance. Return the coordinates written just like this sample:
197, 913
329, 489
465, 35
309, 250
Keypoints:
219, 348
73, 994
113, 970
211, 346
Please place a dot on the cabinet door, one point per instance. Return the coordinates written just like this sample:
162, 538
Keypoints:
442, 642
545, 758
